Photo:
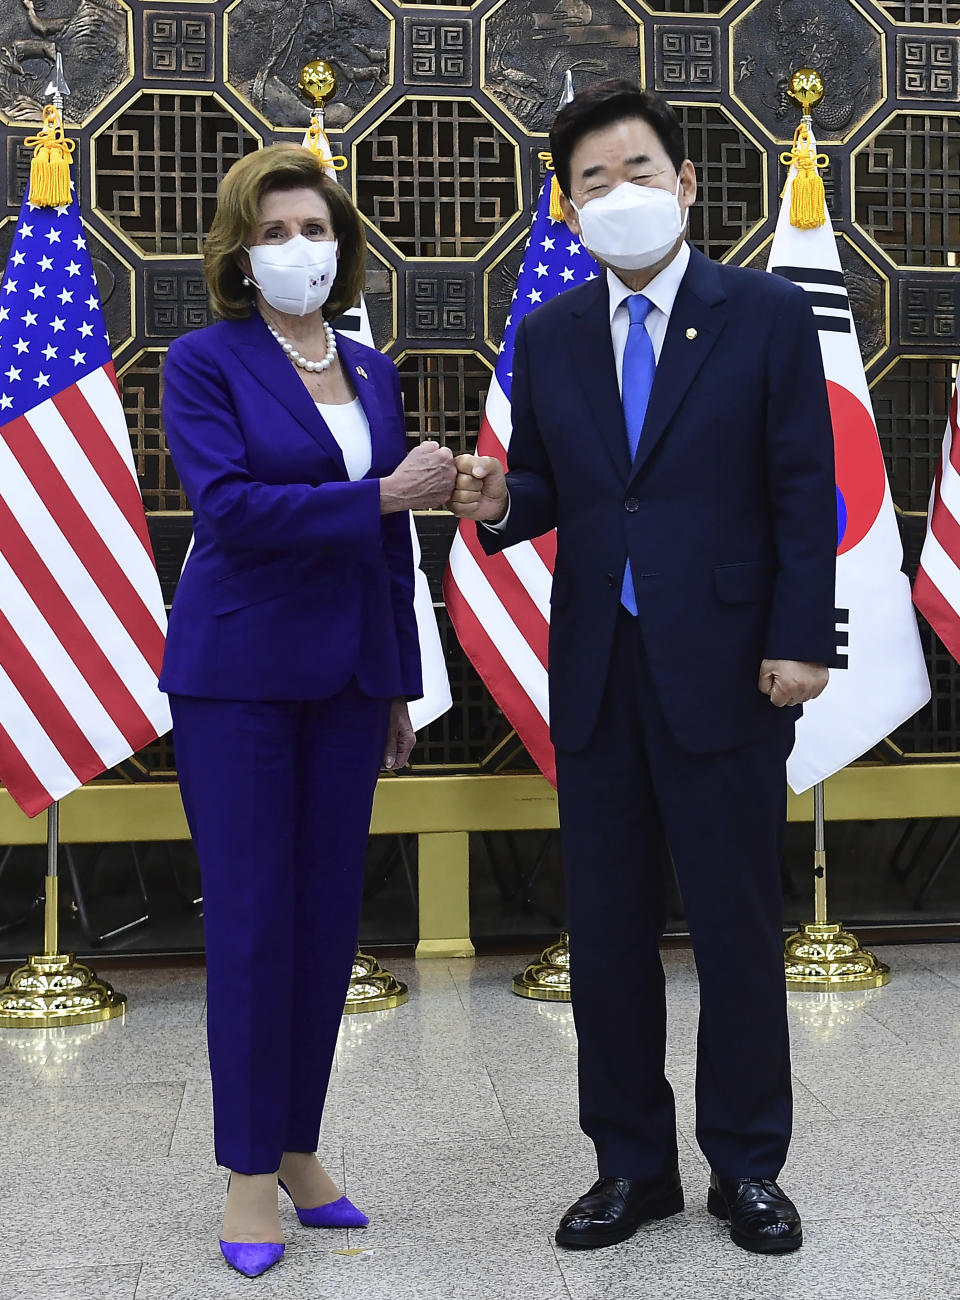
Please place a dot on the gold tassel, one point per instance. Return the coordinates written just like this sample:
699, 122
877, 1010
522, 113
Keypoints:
808, 202
318, 143
50, 167
556, 211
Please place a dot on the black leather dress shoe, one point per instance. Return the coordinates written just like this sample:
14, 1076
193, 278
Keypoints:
614, 1208
762, 1218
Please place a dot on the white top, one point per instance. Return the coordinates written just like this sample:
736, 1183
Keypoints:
348, 423
662, 292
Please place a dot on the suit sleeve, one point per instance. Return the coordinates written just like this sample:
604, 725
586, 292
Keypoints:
533, 495
802, 491
210, 457
398, 547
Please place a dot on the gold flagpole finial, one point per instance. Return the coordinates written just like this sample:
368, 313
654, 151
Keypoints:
806, 87
318, 85
808, 203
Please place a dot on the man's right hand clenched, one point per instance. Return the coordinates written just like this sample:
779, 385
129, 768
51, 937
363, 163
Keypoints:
480, 491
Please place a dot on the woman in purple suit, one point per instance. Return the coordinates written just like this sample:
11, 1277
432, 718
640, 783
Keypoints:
291, 654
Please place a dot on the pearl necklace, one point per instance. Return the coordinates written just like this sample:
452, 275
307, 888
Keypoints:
299, 359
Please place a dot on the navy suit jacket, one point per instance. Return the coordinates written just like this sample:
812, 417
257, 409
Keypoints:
295, 583
728, 513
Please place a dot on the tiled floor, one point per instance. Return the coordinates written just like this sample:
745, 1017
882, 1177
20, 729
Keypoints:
453, 1123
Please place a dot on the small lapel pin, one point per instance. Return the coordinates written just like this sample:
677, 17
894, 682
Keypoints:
691, 333
361, 372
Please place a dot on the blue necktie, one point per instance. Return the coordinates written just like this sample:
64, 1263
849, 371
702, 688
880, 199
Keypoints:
639, 368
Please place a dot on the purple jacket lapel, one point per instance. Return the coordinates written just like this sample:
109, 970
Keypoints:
264, 358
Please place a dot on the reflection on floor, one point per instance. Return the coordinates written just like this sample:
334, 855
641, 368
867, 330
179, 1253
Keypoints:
452, 1122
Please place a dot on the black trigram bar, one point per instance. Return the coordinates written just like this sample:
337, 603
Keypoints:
350, 322
839, 301
809, 275
804, 275
842, 621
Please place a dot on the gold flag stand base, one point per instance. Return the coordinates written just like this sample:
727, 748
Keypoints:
824, 958
52, 992
372, 988
547, 980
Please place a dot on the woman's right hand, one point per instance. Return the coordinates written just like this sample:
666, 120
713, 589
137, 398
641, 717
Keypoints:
423, 480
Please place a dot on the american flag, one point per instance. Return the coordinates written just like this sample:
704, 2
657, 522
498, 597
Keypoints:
82, 621
500, 604
936, 591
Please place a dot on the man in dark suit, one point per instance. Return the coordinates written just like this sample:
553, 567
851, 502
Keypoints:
670, 420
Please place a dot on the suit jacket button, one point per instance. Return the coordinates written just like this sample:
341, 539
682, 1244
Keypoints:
611, 580
632, 505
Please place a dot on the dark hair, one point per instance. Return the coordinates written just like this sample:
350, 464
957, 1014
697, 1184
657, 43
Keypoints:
606, 103
285, 166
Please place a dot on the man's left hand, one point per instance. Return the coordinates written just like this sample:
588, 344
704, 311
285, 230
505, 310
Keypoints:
401, 737
788, 682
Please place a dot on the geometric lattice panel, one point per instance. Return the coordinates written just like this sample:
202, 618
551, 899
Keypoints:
911, 402
158, 166
730, 172
140, 385
907, 188
444, 395
922, 11
437, 178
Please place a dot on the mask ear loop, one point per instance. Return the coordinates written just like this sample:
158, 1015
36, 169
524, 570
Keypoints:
686, 212
248, 280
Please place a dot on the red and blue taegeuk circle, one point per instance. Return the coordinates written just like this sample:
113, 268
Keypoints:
861, 474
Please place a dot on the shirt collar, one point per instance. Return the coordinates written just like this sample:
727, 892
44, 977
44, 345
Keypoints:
662, 289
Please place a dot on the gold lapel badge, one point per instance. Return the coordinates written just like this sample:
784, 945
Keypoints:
691, 333
362, 373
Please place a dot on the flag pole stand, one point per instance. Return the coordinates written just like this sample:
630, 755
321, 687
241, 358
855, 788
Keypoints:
54, 990
548, 979
372, 988
822, 957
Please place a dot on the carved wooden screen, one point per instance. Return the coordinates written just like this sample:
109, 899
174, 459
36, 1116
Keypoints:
442, 111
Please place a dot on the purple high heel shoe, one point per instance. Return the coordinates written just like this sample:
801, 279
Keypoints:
251, 1258
338, 1214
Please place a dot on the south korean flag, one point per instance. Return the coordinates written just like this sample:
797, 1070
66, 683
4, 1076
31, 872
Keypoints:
882, 680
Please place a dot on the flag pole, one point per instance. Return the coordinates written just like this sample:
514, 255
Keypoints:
822, 957
548, 978
371, 987
55, 990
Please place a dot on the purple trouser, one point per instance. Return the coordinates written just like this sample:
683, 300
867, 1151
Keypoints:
278, 796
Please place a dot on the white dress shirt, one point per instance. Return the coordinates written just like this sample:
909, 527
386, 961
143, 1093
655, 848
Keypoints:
662, 292
348, 423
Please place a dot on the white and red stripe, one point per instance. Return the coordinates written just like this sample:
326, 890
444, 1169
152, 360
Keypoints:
936, 591
500, 607
82, 621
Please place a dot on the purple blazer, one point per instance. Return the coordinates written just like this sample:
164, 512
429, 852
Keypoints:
296, 583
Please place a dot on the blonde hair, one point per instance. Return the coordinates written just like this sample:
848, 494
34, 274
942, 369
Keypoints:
278, 167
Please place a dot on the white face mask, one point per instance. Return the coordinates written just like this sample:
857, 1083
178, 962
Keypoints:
633, 226
295, 277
